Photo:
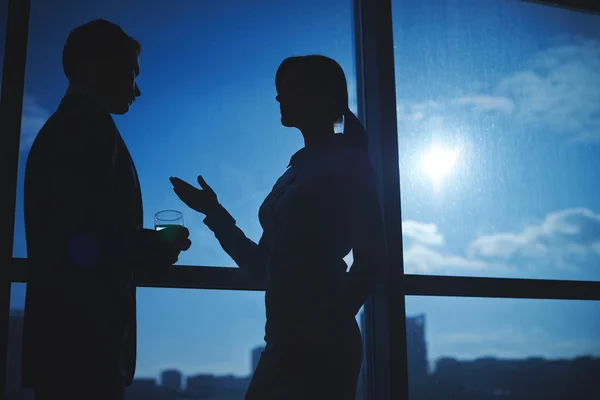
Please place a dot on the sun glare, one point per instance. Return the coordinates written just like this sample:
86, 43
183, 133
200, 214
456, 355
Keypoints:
438, 162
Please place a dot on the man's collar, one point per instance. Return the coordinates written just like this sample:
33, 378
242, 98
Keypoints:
79, 93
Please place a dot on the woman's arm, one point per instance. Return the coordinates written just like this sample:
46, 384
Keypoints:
247, 254
367, 232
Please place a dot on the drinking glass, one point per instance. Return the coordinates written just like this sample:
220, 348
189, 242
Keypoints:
166, 218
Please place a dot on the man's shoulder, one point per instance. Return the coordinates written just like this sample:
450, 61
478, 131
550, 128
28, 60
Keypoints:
74, 123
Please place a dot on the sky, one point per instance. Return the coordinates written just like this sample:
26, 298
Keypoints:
499, 140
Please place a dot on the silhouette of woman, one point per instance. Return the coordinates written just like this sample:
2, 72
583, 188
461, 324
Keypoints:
324, 205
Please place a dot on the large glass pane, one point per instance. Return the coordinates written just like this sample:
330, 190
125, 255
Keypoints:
197, 342
499, 138
513, 349
208, 95
194, 344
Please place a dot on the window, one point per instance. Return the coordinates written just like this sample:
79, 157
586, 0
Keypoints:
190, 342
207, 106
200, 343
208, 96
476, 348
209, 337
499, 131
497, 116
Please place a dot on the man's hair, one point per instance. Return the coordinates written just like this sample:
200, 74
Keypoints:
98, 39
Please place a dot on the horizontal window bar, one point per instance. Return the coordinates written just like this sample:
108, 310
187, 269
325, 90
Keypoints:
426, 285
189, 277
177, 277
590, 6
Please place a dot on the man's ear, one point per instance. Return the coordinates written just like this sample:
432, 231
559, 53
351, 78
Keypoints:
84, 72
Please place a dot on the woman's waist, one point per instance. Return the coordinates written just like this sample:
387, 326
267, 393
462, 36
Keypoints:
290, 302
305, 267
289, 319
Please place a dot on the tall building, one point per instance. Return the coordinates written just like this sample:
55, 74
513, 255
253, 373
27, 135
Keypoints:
418, 369
255, 358
15, 344
416, 349
171, 379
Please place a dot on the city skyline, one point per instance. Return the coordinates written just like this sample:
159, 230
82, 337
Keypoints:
501, 96
419, 365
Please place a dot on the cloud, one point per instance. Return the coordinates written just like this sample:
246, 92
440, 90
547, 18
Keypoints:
416, 111
424, 254
420, 259
424, 233
564, 240
566, 237
557, 93
34, 117
488, 103
586, 137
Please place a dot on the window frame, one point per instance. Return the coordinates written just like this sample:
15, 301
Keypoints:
385, 319
11, 108
586, 6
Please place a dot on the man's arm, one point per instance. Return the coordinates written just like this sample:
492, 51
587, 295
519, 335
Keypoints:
86, 211
83, 218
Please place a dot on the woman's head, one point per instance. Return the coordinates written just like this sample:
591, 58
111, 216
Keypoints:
312, 91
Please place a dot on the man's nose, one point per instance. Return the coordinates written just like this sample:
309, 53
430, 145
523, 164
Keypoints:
137, 91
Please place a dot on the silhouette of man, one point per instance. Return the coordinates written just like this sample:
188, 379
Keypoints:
83, 220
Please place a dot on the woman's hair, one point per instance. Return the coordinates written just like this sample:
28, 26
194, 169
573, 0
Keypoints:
327, 77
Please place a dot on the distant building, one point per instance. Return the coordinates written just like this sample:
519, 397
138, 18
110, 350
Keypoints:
216, 387
416, 349
171, 379
144, 389
200, 385
256, 352
15, 344
143, 384
531, 378
418, 369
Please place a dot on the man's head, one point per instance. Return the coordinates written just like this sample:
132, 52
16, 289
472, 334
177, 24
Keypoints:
101, 59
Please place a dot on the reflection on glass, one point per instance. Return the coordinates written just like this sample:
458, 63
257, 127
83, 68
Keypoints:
499, 138
502, 349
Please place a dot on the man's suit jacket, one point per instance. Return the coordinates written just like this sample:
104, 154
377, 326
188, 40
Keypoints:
83, 221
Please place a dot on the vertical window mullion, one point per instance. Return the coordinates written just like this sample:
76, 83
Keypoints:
385, 320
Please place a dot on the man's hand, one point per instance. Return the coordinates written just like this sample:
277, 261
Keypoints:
175, 239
